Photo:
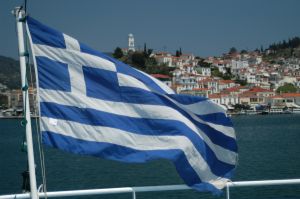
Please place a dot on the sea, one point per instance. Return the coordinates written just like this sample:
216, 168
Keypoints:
269, 148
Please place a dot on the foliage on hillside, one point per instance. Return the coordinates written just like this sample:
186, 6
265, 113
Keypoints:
291, 43
287, 88
285, 49
10, 72
142, 61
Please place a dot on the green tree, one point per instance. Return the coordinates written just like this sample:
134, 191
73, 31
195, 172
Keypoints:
149, 52
287, 88
241, 82
118, 53
261, 49
155, 69
145, 50
203, 63
151, 61
232, 50
244, 51
138, 60
215, 72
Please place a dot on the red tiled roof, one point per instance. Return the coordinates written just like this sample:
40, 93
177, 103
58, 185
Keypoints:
207, 80
259, 90
286, 95
200, 89
232, 89
160, 76
246, 94
214, 96
226, 81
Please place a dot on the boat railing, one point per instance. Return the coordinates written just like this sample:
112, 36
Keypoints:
134, 190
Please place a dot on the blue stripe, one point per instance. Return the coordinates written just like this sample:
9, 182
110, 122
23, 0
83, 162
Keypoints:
187, 99
217, 118
49, 78
128, 155
45, 35
157, 127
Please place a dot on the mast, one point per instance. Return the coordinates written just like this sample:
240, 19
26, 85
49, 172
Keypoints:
20, 19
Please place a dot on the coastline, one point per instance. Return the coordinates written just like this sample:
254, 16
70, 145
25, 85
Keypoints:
16, 117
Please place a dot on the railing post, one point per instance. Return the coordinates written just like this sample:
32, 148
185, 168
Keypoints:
133, 194
227, 191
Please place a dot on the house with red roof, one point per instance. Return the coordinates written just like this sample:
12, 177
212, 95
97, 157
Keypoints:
203, 92
210, 83
164, 58
285, 99
163, 78
224, 84
224, 99
255, 95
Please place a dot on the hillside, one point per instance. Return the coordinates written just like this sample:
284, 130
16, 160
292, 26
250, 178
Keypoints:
284, 49
10, 72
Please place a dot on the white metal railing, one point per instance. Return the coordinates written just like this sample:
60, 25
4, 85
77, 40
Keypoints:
134, 190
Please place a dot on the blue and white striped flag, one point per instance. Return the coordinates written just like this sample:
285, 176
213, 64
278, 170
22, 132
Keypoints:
93, 104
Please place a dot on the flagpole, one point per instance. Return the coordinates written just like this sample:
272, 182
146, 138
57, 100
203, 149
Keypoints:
20, 16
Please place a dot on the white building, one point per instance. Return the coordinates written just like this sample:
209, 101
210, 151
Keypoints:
131, 43
205, 71
237, 65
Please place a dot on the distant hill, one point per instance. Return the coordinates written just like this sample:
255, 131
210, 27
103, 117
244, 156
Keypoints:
285, 49
10, 72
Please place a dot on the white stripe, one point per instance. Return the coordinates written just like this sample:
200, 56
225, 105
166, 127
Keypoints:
134, 141
73, 57
137, 111
75, 70
126, 80
204, 107
163, 86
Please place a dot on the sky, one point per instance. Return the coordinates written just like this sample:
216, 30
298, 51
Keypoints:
202, 27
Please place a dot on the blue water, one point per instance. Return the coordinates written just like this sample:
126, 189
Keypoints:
269, 148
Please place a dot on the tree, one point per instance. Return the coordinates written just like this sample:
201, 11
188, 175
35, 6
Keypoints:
149, 52
244, 51
155, 69
177, 53
261, 49
287, 88
151, 62
215, 72
203, 63
118, 53
145, 49
241, 82
138, 59
232, 50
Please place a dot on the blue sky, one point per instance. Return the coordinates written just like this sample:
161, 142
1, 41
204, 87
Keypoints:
203, 28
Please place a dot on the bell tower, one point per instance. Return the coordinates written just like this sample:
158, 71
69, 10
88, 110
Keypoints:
131, 42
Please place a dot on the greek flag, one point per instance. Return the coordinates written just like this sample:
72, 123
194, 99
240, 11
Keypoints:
95, 105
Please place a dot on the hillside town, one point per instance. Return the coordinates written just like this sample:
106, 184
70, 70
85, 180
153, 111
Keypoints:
254, 82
